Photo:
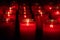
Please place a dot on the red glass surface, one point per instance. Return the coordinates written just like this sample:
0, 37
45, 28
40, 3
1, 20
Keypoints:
51, 29
27, 29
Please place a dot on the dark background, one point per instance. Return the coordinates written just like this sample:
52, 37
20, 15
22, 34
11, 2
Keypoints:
30, 1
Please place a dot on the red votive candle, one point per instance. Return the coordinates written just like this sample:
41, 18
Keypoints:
27, 29
51, 29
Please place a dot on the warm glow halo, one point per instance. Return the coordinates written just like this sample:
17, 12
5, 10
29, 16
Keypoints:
51, 25
27, 20
10, 8
52, 20
40, 12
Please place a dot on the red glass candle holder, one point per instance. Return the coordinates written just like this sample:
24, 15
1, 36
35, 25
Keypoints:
27, 29
51, 29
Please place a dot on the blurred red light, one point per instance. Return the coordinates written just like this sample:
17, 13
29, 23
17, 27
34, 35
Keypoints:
57, 12
51, 26
24, 16
35, 8
27, 28
48, 7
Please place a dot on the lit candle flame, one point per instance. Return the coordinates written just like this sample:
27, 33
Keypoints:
10, 8
24, 16
7, 20
57, 12
52, 20
40, 12
8, 14
10, 11
51, 25
27, 20
50, 8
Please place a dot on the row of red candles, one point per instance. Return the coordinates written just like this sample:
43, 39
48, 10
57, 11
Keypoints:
28, 25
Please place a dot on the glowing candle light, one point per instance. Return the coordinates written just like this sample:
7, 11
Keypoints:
24, 9
27, 29
48, 7
51, 26
40, 12
9, 17
24, 12
51, 29
27, 22
24, 16
55, 13
8, 14
7, 20
10, 8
